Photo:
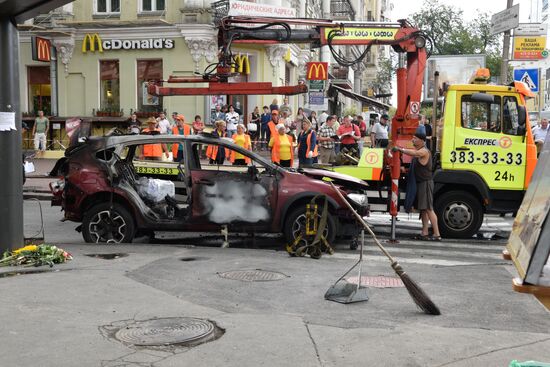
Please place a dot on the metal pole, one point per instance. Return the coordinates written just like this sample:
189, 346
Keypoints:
53, 81
505, 51
11, 165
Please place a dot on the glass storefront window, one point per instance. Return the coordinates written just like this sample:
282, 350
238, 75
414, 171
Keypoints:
39, 90
109, 85
147, 70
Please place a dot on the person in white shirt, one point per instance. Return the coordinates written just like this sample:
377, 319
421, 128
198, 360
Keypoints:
322, 118
232, 119
164, 125
379, 133
539, 134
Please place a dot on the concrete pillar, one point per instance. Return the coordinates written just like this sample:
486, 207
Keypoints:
325, 51
11, 187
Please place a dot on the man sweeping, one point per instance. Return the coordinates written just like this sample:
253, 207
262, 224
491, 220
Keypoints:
422, 167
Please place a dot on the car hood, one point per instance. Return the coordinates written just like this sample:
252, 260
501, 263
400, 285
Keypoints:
338, 178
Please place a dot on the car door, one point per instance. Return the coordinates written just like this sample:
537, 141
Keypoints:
241, 196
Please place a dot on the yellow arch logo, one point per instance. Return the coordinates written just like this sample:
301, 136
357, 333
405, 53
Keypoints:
317, 71
90, 41
242, 64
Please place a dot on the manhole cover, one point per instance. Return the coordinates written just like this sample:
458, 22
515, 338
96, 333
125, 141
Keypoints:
107, 256
377, 282
169, 331
257, 275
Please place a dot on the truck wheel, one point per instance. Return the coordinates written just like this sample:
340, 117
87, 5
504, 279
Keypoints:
102, 224
459, 214
295, 224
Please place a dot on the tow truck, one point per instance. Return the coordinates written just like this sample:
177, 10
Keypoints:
487, 155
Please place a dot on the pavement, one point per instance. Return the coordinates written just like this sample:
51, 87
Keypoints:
68, 315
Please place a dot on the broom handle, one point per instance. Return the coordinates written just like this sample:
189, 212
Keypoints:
362, 221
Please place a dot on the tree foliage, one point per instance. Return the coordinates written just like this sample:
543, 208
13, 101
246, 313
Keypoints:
452, 35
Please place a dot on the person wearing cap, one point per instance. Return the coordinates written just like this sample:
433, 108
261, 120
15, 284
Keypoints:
180, 129
153, 152
280, 143
421, 165
379, 133
274, 121
242, 140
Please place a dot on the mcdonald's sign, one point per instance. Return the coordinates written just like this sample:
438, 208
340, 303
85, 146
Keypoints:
90, 42
41, 49
241, 65
317, 71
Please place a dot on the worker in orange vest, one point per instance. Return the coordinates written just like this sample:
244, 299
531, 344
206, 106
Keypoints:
215, 155
282, 151
180, 129
242, 140
307, 145
153, 152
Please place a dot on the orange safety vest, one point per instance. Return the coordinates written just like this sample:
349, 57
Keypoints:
176, 131
212, 150
272, 128
152, 150
247, 146
276, 149
308, 141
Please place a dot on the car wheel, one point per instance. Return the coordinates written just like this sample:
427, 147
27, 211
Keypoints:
459, 214
296, 222
111, 225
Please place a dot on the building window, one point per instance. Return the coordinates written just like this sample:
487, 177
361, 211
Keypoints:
40, 91
107, 6
148, 70
109, 85
152, 5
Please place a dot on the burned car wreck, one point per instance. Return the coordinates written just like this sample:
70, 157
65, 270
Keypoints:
106, 184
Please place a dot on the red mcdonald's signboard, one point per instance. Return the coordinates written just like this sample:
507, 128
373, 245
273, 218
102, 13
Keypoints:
317, 71
41, 48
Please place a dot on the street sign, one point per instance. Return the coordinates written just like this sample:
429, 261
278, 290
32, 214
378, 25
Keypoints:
316, 85
531, 29
529, 48
505, 20
316, 98
529, 77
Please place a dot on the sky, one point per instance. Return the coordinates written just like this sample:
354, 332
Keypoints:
404, 8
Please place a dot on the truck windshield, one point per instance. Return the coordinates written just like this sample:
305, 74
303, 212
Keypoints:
484, 116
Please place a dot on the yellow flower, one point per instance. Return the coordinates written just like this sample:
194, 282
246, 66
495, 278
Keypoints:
31, 248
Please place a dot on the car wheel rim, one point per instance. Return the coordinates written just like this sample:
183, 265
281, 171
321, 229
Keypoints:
458, 216
299, 227
107, 226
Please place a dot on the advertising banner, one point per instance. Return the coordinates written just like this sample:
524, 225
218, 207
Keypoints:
530, 48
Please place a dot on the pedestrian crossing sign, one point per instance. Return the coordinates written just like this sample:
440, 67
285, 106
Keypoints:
529, 77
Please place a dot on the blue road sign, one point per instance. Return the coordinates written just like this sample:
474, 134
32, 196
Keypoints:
529, 77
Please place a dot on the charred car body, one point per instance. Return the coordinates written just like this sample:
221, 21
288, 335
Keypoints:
116, 195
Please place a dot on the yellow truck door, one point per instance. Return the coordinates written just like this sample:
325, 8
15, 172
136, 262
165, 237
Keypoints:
487, 140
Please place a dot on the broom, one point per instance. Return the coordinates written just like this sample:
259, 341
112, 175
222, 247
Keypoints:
418, 295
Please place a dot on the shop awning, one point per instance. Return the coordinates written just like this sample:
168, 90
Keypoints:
360, 98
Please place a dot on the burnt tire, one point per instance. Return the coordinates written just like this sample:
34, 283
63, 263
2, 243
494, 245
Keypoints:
103, 224
295, 222
459, 214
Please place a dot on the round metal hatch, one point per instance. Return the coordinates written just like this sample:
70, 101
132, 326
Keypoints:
167, 331
256, 275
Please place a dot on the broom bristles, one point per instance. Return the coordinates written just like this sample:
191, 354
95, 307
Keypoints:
417, 294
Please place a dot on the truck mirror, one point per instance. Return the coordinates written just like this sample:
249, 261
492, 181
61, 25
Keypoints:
522, 115
482, 97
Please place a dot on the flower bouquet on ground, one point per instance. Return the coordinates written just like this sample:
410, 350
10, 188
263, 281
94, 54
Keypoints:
35, 255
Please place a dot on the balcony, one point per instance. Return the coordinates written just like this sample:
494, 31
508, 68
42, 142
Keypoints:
339, 75
341, 10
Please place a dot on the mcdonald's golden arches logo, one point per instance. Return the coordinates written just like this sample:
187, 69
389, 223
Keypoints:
241, 65
317, 70
91, 42
41, 49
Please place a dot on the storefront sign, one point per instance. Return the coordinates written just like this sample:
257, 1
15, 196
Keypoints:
260, 10
530, 48
316, 85
354, 35
317, 71
93, 42
41, 49
316, 98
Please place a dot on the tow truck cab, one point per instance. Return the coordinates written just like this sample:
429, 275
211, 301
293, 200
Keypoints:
486, 155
